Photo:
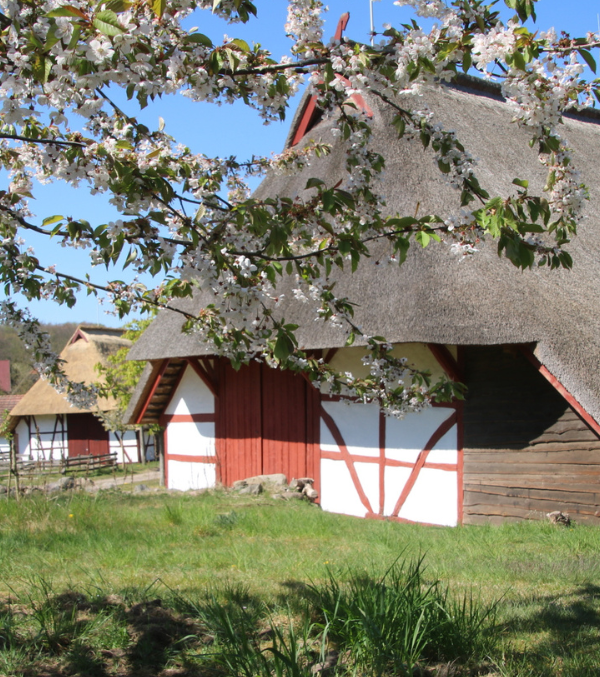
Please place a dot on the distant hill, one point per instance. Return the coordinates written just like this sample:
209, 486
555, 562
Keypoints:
22, 376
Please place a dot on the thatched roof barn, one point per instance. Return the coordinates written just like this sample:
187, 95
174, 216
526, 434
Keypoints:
534, 334
48, 427
88, 347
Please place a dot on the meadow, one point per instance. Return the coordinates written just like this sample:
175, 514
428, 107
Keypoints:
167, 584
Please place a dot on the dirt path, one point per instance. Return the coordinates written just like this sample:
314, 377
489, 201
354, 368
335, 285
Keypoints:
110, 482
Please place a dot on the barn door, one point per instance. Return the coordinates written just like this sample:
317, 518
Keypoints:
86, 435
266, 423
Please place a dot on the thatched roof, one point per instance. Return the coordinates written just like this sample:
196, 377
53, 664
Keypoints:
87, 347
435, 296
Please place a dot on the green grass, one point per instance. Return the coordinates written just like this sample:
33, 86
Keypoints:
126, 584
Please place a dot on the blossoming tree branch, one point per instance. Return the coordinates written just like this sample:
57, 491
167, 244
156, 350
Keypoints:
62, 61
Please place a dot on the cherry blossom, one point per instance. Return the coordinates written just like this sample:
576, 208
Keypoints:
184, 211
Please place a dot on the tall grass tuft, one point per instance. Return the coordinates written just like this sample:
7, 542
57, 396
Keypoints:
391, 623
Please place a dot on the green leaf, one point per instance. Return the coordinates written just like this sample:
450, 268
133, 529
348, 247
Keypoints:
422, 238
242, 44
158, 7
107, 23
350, 339
284, 347
467, 61
52, 219
400, 125
66, 10
198, 38
40, 68
521, 182
589, 59
314, 183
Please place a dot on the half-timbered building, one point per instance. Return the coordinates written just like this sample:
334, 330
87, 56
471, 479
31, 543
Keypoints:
526, 439
47, 427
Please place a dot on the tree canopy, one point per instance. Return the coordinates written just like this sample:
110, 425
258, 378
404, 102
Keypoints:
60, 121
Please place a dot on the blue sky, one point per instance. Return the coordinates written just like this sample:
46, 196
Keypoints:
235, 130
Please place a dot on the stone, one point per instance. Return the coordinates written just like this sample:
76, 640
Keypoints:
240, 484
329, 661
63, 484
291, 495
139, 488
558, 517
275, 480
251, 490
3, 489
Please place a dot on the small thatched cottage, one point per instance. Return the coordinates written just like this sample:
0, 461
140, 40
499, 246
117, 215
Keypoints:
526, 344
47, 427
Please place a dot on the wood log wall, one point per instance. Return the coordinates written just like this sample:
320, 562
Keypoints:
526, 452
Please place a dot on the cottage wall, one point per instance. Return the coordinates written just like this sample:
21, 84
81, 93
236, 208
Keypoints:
526, 451
377, 466
189, 419
42, 437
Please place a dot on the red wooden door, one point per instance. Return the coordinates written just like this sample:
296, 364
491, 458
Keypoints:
283, 423
86, 435
267, 423
238, 423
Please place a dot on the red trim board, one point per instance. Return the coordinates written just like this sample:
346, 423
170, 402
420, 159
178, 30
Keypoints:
339, 440
414, 475
446, 361
577, 407
157, 381
187, 418
191, 459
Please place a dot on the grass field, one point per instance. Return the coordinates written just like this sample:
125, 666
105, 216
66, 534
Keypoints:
163, 584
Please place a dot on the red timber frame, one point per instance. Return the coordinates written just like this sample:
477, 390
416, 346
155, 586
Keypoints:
207, 373
591, 422
315, 412
453, 368
311, 105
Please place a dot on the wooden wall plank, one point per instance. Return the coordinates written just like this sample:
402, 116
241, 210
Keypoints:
284, 446
238, 428
526, 451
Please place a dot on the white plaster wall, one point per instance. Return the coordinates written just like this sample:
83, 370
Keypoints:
395, 479
337, 490
407, 437
358, 425
191, 397
188, 438
130, 443
23, 438
190, 476
433, 499
38, 448
4, 446
191, 439
445, 450
417, 354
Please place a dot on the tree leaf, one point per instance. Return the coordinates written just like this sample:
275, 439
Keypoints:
589, 59
107, 23
52, 219
242, 44
198, 38
66, 10
158, 7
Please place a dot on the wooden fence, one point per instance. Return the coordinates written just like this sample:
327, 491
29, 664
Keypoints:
28, 470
